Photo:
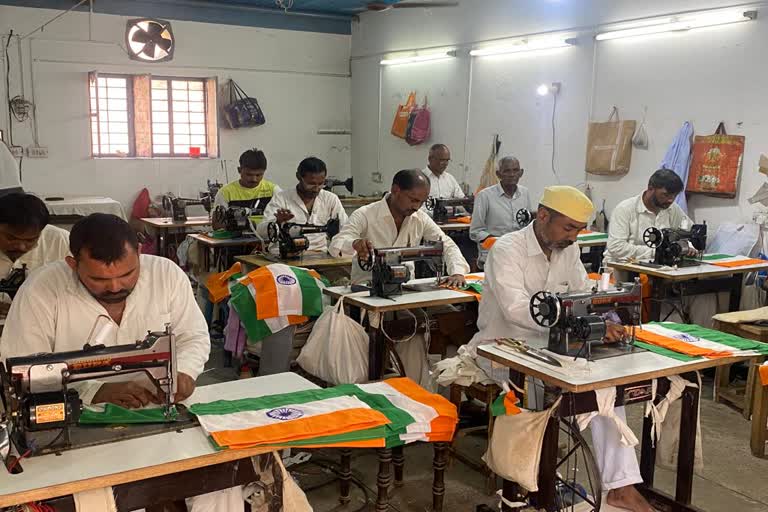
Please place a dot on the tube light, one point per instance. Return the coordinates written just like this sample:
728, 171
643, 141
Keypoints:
685, 22
418, 58
524, 46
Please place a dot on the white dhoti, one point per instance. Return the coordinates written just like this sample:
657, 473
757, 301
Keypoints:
616, 462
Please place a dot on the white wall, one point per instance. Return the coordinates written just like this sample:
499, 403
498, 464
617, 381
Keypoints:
301, 80
702, 76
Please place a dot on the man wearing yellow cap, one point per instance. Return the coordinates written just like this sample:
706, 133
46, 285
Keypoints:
544, 256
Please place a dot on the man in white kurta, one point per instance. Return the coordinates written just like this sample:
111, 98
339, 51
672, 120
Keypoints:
655, 207
442, 184
544, 256
27, 238
307, 203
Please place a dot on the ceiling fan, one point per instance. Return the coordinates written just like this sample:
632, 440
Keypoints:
384, 6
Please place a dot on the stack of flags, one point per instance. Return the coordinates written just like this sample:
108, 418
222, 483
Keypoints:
687, 342
383, 414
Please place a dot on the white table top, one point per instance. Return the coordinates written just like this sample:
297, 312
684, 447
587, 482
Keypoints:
705, 270
123, 461
584, 375
408, 300
85, 205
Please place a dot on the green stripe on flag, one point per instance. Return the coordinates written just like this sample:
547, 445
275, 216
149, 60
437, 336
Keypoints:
311, 293
242, 300
713, 257
665, 351
594, 236
724, 338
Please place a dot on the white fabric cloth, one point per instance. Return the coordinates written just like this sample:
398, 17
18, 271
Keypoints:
85, 206
606, 400
53, 245
444, 186
54, 312
494, 214
227, 500
375, 223
616, 462
629, 220
9, 169
327, 206
95, 500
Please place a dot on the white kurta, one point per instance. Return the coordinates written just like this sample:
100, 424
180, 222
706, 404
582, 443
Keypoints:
53, 245
494, 214
327, 206
53, 312
629, 220
516, 269
444, 186
374, 222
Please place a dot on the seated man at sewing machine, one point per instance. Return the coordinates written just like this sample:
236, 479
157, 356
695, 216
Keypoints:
496, 207
544, 256
251, 186
654, 208
305, 206
27, 242
397, 221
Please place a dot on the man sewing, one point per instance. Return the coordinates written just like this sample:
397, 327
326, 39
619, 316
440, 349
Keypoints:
397, 221
496, 207
105, 276
251, 185
655, 207
443, 185
543, 256
27, 238
307, 203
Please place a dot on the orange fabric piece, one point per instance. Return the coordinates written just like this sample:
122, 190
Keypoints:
585, 232
303, 428
443, 427
510, 403
488, 243
677, 345
594, 276
645, 292
463, 220
265, 289
763, 374
739, 263
369, 443
218, 284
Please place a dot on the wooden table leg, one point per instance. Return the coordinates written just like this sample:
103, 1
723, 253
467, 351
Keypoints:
734, 304
398, 461
686, 457
345, 476
750, 390
377, 349
658, 292
384, 479
439, 463
759, 418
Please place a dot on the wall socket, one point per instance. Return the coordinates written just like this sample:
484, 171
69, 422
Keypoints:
37, 152
376, 177
17, 151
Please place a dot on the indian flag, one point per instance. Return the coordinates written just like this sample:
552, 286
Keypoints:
271, 298
688, 342
384, 414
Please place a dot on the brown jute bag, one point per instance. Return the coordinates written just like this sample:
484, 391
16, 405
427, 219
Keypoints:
609, 145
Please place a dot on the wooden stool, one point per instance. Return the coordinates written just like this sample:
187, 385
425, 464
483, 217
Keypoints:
739, 397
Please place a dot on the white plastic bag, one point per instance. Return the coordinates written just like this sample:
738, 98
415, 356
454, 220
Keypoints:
337, 349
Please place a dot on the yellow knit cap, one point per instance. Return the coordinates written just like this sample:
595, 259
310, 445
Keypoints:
569, 201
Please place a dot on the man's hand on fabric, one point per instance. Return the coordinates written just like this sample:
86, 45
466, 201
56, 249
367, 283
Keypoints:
184, 388
454, 281
130, 395
283, 215
614, 332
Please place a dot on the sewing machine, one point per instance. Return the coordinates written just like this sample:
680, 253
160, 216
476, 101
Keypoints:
575, 325
443, 210
291, 237
176, 207
524, 217
236, 219
672, 245
13, 281
332, 182
41, 409
389, 270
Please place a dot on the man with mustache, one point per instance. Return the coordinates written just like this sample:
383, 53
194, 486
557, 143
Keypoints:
105, 276
544, 256
655, 207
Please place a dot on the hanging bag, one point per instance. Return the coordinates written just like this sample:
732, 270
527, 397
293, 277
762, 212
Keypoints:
716, 164
337, 349
419, 125
609, 145
242, 110
402, 116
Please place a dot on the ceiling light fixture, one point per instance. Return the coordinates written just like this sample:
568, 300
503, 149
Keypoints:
523, 45
419, 58
676, 23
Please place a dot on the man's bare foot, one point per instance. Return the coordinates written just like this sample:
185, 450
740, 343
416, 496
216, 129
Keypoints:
629, 498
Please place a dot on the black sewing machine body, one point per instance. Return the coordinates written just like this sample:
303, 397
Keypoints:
671, 245
236, 219
291, 237
575, 325
41, 409
13, 281
389, 271
332, 182
443, 210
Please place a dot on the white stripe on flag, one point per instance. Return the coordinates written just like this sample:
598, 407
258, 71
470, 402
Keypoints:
695, 340
421, 413
277, 323
252, 419
289, 301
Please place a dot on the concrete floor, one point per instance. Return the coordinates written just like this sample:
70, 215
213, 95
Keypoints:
732, 480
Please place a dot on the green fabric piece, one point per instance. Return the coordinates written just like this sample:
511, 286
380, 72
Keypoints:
311, 293
726, 339
592, 236
475, 287
713, 257
665, 351
497, 407
241, 299
223, 234
114, 414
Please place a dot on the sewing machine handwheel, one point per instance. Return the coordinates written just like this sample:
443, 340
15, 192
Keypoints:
272, 232
366, 264
167, 203
652, 237
430, 204
523, 217
545, 309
